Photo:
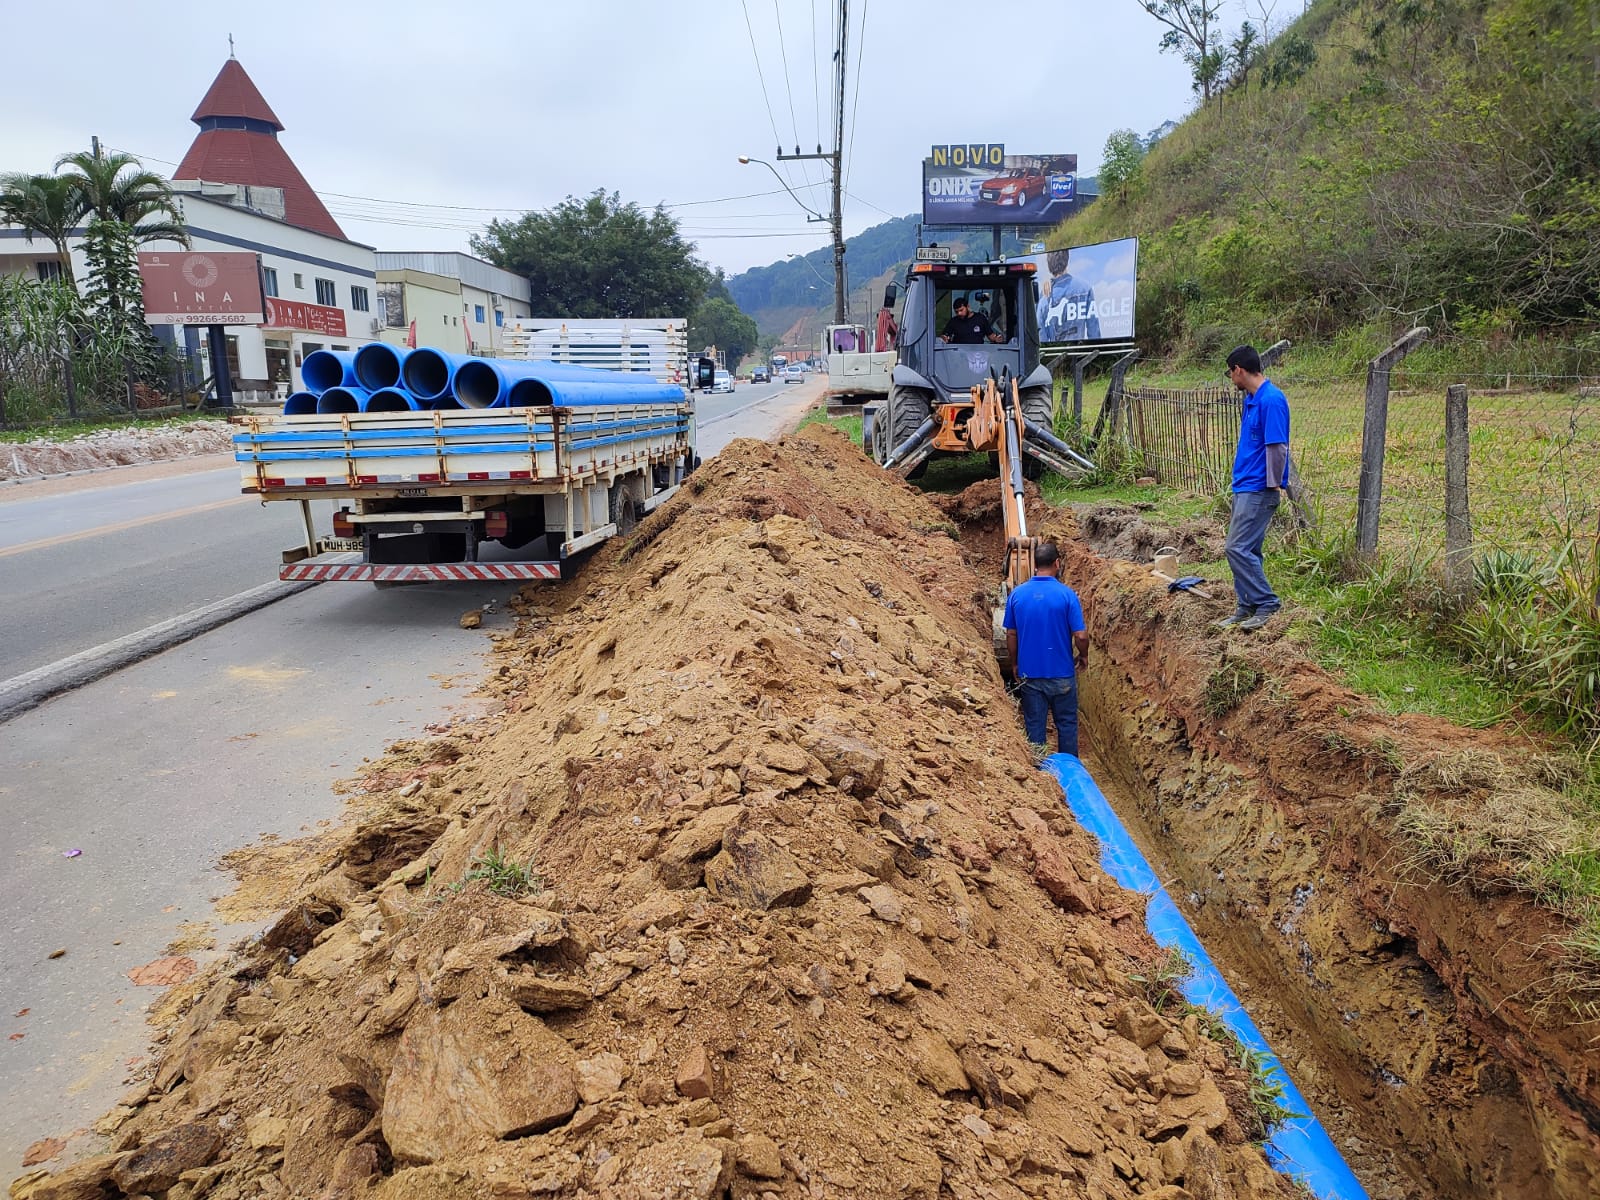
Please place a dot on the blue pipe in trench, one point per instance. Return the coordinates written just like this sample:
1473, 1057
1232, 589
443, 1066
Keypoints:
1299, 1147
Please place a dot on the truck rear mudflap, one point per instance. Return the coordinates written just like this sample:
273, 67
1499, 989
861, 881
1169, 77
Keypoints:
347, 567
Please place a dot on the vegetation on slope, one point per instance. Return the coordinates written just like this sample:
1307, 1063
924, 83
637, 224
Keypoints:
1427, 160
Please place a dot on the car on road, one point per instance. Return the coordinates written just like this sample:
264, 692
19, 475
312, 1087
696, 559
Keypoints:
794, 374
723, 382
760, 375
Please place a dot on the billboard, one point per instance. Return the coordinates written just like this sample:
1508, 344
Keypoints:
1087, 293
184, 288
980, 184
297, 314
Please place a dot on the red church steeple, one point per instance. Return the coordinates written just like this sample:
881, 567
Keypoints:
238, 143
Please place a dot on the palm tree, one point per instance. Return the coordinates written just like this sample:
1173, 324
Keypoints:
112, 192
47, 205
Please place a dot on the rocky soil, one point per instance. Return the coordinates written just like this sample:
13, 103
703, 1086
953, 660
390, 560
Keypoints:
805, 922
745, 889
113, 448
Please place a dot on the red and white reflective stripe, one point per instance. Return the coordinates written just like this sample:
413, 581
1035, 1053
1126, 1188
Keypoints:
479, 476
306, 481
386, 478
428, 572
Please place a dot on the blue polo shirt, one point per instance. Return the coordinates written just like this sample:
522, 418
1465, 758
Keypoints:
1264, 422
1045, 613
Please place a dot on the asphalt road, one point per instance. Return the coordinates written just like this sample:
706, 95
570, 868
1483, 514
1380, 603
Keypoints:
156, 771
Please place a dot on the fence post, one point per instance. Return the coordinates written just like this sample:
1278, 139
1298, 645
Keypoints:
1079, 365
1111, 408
1374, 432
1457, 518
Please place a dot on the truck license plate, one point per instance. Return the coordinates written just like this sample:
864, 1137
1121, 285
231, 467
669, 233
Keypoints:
333, 545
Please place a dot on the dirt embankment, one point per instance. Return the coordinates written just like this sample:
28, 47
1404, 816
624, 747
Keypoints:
806, 924
1417, 1014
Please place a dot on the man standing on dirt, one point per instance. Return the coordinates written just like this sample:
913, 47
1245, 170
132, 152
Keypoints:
1047, 645
1260, 470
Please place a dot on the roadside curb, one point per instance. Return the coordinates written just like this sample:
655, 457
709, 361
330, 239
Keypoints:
32, 688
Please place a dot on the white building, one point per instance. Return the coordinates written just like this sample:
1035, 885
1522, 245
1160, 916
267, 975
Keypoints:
459, 303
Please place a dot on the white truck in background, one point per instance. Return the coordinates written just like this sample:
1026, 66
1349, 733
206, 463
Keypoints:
655, 346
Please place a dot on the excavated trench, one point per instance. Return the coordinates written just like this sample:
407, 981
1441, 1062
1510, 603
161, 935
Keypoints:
1423, 1021
744, 889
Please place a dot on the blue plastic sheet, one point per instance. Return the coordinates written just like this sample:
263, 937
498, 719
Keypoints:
1299, 1147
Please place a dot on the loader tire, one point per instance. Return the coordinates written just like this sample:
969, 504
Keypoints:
908, 409
1038, 406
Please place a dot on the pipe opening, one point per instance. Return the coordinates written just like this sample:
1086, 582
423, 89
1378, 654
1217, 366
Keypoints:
389, 400
426, 374
477, 384
299, 404
323, 369
339, 400
378, 366
529, 393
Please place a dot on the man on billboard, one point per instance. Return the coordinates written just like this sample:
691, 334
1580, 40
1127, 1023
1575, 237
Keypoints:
1066, 309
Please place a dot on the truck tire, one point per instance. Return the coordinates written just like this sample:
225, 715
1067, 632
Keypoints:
1038, 406
624, 508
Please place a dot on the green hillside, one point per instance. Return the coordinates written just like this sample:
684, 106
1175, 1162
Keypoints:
1381, 162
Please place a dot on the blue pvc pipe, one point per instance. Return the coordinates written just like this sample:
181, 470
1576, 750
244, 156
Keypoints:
1299, 1146
487, 382
324, 369
300, 403
390, 399
426, 374
378, 365
342, 400
536, 393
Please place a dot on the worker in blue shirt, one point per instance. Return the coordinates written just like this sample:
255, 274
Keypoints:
1047, 645
1260, 473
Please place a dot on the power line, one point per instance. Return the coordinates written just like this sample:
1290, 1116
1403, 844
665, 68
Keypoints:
783, 53
855, 104
777, 139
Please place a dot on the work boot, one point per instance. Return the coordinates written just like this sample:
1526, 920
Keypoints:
1255, 621
1239, 617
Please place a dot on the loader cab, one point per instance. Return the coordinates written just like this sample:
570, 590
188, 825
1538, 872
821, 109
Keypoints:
1002, 292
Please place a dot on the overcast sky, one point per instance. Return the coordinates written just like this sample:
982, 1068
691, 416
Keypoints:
419, 122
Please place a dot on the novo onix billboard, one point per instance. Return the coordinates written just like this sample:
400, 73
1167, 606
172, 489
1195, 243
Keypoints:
980, 184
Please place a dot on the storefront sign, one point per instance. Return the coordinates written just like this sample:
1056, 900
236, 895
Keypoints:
313, 318
201, 288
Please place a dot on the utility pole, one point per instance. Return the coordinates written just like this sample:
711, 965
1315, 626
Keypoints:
835, 160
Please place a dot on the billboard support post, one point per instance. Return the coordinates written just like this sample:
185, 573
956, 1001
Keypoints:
217, 345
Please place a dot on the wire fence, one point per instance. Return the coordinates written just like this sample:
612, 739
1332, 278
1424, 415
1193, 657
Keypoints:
1532, 447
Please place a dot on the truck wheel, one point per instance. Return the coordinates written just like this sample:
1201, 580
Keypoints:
624, 509
1038, 406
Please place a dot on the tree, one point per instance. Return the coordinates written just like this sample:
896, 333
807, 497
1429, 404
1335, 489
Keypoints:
47, 205
1190, 34
599, 257
1120, 161
116, 187
1243, 52
720, 323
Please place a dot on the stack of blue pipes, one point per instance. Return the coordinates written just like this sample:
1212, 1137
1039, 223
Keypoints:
384, 378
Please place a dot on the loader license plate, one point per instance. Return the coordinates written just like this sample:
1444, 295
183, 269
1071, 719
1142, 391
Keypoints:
333, 545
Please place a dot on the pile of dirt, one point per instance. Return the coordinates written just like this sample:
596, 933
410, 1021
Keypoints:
747, 890
114, 448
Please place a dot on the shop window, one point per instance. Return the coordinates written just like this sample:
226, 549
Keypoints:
327, 293
359, 299
269, 280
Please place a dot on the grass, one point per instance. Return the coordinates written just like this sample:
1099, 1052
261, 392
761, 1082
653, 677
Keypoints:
503, 876
1227, 687
63, 430
850, 427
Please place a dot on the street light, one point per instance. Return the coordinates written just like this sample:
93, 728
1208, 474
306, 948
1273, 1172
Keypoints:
836, 220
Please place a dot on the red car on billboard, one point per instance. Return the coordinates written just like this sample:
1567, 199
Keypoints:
1015, 187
